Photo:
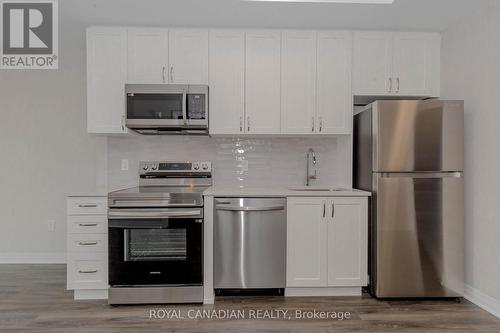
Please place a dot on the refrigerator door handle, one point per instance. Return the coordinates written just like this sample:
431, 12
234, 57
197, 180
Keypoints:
427, 175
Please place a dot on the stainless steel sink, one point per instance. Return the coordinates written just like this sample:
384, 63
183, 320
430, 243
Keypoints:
317, 189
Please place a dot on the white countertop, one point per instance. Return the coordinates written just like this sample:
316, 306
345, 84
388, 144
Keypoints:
224, 191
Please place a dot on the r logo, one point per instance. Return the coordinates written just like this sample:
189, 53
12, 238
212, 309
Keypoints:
27, 27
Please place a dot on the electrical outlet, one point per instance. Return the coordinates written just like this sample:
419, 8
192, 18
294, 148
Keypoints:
124, 165
51, 225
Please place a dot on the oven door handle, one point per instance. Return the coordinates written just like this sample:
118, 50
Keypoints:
125, 214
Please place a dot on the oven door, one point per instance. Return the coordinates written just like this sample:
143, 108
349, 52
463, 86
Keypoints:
155, 247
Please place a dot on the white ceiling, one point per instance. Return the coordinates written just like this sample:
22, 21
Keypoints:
425, 15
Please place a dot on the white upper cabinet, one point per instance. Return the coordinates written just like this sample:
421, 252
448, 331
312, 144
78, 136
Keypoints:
147, 55
227, 81
106, 77
298, 82
306, 242
416, 64
188, 56
262, 82
372, 63
404, 64
334, 88
347, 242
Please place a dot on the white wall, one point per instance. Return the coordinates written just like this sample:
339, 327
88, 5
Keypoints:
45, 151
471, 71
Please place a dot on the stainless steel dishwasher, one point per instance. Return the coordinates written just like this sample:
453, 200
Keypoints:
250, 243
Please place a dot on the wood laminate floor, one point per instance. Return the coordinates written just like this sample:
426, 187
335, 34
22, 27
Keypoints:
33, 298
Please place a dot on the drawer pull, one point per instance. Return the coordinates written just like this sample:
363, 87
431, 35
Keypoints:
87, 243
88, 224
88, 272
87, 205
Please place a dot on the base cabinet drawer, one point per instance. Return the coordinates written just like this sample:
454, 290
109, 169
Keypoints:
83, 224
87, 206
87, 271
87, 243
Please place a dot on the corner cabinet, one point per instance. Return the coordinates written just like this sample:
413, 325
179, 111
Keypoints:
327, 242
106, 78
396, 64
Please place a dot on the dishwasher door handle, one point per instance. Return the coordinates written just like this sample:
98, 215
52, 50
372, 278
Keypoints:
249, 209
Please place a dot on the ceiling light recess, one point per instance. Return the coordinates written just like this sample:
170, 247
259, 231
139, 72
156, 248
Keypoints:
364, 2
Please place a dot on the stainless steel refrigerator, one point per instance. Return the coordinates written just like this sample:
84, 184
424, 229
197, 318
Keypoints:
410, 155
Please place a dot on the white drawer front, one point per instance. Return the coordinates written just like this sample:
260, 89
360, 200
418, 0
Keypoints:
87, 205
91, 224
87, 243
87, 271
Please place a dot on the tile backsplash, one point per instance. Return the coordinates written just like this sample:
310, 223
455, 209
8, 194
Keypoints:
236, 161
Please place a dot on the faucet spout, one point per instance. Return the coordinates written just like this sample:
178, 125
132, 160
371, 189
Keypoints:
310, 154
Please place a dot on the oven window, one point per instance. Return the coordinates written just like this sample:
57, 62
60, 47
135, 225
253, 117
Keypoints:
155, 244
154, 106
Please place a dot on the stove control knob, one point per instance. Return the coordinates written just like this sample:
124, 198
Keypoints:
154, 167
204, 166
145, 167
196, 167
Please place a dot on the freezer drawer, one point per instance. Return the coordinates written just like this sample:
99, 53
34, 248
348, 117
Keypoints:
250, 243
418, 235
415, 136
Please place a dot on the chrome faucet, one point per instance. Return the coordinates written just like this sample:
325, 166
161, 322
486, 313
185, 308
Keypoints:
310, 153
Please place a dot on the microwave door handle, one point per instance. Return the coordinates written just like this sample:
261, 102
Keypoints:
184, 107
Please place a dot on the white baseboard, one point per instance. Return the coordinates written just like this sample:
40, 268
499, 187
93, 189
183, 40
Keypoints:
322, 292
33, 258
485, 302
90, 294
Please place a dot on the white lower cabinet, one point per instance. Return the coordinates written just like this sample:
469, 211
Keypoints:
327, 242
87, 247
306, 242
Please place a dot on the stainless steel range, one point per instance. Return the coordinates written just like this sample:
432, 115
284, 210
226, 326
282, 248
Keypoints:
155, 235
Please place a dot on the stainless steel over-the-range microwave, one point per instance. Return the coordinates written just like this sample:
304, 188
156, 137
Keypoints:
167, 108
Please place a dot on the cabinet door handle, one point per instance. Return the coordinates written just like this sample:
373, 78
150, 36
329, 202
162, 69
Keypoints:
398, 85
88, 272
320, 124
87, 243
123, 123
324, 209
163, 73
390, 84
171, 74
248, 123
241, 124
333, 209
87, 205
313, 125
88, 224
